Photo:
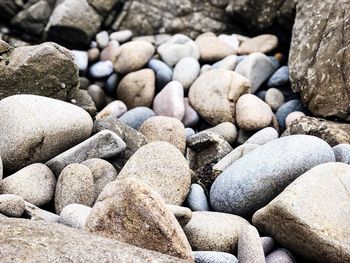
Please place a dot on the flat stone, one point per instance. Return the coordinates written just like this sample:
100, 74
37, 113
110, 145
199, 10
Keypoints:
196, 199
37, 214
182, 214
214, 257
263, 136
115, 109
229, 63
11, 205
342, 153
121, 36
263, 43
75, 215
186, 71
136, 117
250, 248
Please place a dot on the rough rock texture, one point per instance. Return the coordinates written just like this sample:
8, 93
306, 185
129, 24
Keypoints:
333, 133
310, 217
319, 53
11, 205
28, 241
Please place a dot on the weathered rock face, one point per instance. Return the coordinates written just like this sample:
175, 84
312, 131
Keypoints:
47, 70
311, 216
318, 58
331, 132
37, 241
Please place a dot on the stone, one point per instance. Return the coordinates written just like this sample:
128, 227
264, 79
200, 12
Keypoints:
75, 185
132, 56
243, 136
279, 78
342, 153
136, 117
176, 48
75, 215
52, 241
231, 40
227, 130
98, 96
93, 54
81, 59
101, 69
121, 36
37, 214
167, 129
263, 136
162, 166
110, 51
102, 39
129, 211
212, 48
212, 231
137, 88
189, 132
252, 113
280, 255
215, 93
11, 205
276, 164
182, 214
317, 68
186, 71
284, 110
299, 212
229, 63
268, 244
34, 183
250, 248
191, 117
112, 84
274, 98
1, 169
34, 70
214, 257
291, 117
331, 132
257, 68
170, 101
104, 144
196, 199
83, 100
103, 173
164, 73
262, 43
205, 68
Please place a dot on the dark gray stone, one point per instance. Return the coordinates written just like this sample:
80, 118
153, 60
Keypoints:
279, 78
164, 73
286, 108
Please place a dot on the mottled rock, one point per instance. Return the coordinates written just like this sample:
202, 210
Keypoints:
11, 205
83, 100
263, 136
75, 215
249, 246
186, 71
182, 214
136, 117
214, 257
262, 43
291, 117
196, 199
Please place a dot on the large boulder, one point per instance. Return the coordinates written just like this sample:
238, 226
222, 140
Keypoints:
311, 216
318, 58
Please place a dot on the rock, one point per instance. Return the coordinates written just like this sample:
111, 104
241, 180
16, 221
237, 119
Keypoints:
205, 68
98, 96
250, 248
112, 84
75, 215
167, 129
104, 144
276, 164
182, 214
75, 185
321, 66
11, 205
164, 73
137, 88
284, 110
274, 98
214, 257
153, 226
291, 117
34, 70
257, 68
186, 71
162, 166
36, 214
229, 63
297, 212
103, 173
215, 93
132, 56
262, 43
80, 59
333, 133
110, 51
189, 132
121, 36
280, 255
212, 231
342, 153
102, 39
263, 136
231, 40
268, 244
93, 54
101, 69
252, 113
196, 199
191, 117
53, 241
34, 183
212, 48
176, 48
227, 130
83, 100
170, 101
115, 109
279, 78
136, 117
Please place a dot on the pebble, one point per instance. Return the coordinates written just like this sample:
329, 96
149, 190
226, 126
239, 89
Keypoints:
102, 39
101, 69
37, 214
93, 54
274, 98
191, 117
196, 199
189, 132
103, 173
263, 136
136, 117
230, 40
110, 51
205, 68
34, 183
75, 215
213, 257
342, 153
182, 214
164, 73
291, 117
252, 113
104, 144
285, 109
11, 205
112, 84
83, 100
280, 256
132, 56
261, 94
177, 47
115, 109
250, 248
75, 185
186, 71
227, 130
163, 167
257, 68
121, 36
167, 129
215, 93
268, 244
98, 96
212, 231
228, 63
81, 59
170, 101
84, 83
263, 43
137, 88
276, 164
279, 78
